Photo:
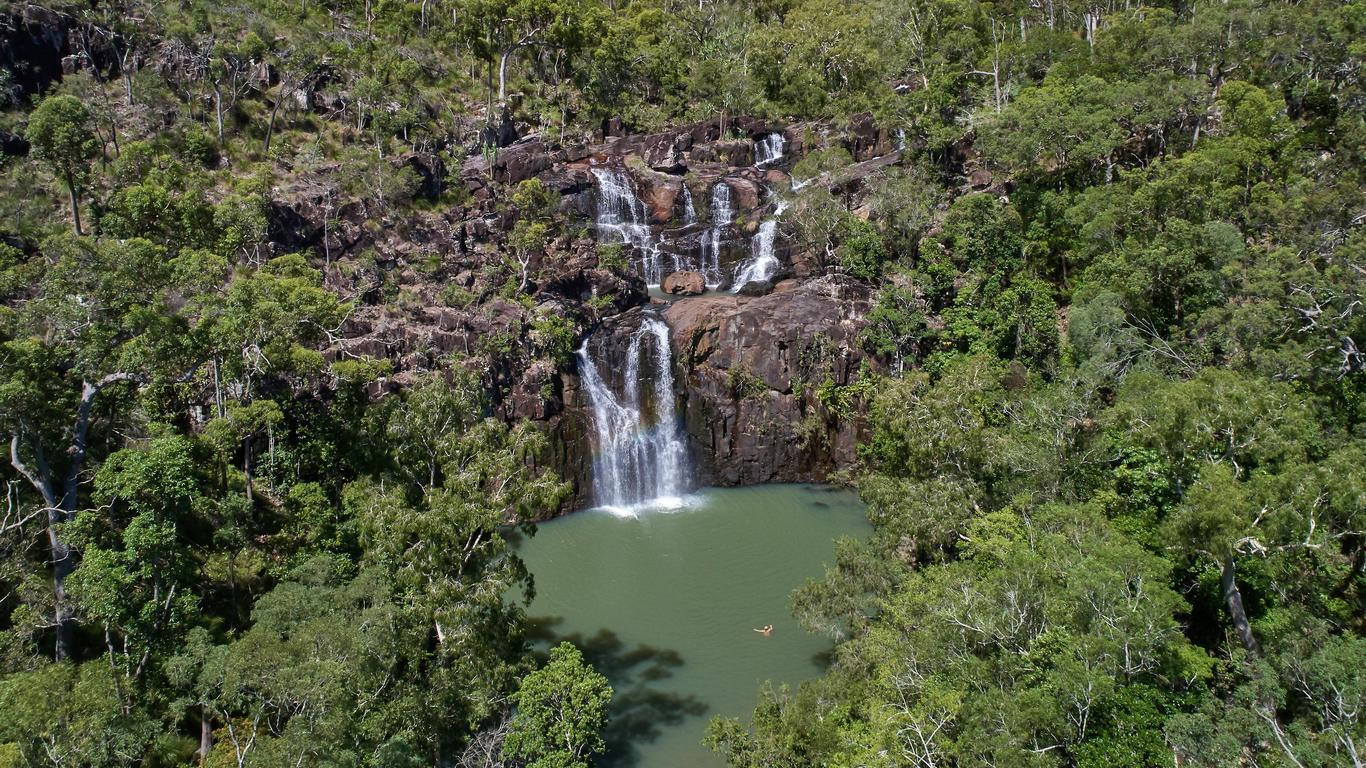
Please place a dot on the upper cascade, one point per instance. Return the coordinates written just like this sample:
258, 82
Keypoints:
763, 262
769, 149
689, 211
622, 219
640, 459
722, 214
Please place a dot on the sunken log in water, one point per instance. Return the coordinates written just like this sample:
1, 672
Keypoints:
640, 458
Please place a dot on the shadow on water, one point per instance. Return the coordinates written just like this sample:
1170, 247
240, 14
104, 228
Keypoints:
638, 713
823, 659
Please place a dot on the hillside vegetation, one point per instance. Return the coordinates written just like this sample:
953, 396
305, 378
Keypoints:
1116, 428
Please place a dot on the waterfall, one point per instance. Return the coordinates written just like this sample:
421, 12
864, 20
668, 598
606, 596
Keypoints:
640, 459
769, 149
721, 217
762, 263
622, 219
689, 212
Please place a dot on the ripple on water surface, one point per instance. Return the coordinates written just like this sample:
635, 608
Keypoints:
664, 600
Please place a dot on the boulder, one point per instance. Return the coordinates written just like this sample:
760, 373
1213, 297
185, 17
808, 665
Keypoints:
866, 141
746, 195
756, 288
431, 174
289, 228
518, 162
685, 284
522, 161
660, 194
664, 152
12, 144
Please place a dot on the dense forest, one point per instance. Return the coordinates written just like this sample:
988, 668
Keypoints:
1113, 410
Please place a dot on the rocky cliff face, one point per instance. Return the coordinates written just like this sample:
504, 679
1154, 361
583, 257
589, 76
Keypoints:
752, 368
433, 287
761, 350
756, 365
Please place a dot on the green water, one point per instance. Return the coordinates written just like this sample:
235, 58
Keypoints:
665, 604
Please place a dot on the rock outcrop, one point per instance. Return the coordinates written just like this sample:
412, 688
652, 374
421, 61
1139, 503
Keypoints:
751, 369
760, 372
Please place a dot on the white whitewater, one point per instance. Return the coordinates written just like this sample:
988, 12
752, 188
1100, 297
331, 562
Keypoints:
622, 219
689, 212
762, 262
640, 460
769, 149
722, 214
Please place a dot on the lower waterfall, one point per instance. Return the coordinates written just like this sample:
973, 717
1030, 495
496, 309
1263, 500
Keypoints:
640, 459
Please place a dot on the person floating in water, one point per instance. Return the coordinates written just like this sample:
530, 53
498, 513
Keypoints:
766, 631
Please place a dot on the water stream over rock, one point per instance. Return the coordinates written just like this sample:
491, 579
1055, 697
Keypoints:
763, 263
722, 214
622, 219
769, 149
689, 211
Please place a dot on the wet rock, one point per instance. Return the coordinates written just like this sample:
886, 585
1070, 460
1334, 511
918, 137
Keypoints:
756, 288
736, 153
685, 284
660, 195
746, 194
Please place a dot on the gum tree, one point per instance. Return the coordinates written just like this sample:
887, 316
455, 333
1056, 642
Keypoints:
61, 135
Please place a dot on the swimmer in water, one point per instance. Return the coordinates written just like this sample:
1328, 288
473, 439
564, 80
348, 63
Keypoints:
766, 631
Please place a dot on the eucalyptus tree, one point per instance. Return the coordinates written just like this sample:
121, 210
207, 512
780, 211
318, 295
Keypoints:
102, 319
495, 30
561, 711
61, 135
436, 526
